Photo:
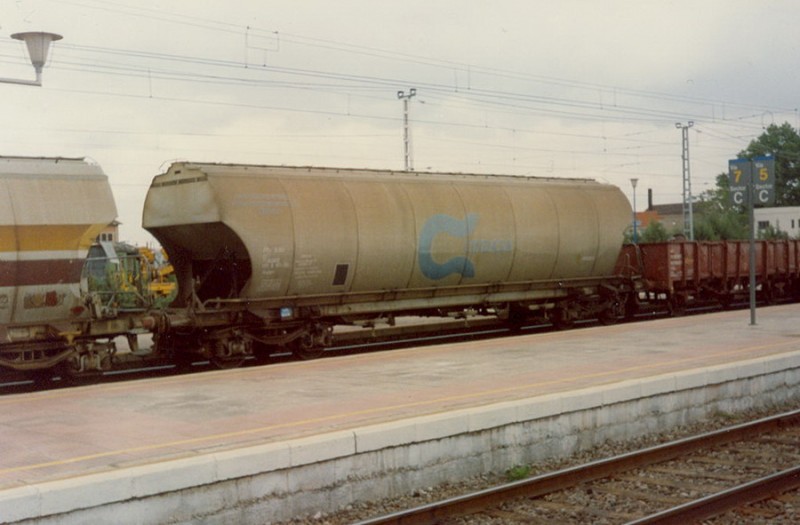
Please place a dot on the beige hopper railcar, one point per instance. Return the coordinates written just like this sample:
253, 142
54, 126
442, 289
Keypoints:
295, 250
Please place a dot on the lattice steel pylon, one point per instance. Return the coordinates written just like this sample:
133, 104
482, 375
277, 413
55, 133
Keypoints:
405, 97
688, 215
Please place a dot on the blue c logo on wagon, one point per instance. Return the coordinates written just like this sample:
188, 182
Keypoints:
442, 223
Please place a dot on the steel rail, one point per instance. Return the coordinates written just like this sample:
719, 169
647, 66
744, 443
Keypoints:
721, 502
537, 486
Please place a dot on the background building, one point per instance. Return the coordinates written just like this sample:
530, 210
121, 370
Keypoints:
785, 219
110, 233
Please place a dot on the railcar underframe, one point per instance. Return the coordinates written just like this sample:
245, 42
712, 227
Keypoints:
231, 329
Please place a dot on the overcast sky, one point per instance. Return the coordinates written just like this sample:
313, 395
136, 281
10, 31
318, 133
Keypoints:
589, 88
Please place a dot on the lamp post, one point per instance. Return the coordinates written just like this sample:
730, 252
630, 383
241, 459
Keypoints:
38, 43
405, 97
635, 230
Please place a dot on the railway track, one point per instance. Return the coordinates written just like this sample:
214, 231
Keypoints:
725, 473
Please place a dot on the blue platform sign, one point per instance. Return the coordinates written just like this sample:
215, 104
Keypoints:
759, 171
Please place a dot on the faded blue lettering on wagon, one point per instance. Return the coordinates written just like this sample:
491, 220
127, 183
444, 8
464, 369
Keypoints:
445, 224
491, 246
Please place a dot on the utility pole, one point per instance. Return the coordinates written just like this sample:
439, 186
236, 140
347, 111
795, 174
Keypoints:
688, 215
405, 97
635, 226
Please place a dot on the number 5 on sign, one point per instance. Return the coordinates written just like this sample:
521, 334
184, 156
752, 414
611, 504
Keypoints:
764, 186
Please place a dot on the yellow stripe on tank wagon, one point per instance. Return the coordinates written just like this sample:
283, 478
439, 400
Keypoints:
36, 238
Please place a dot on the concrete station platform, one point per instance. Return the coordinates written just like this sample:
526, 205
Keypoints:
259, 445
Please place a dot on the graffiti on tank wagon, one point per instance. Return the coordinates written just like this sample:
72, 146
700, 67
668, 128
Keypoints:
46, 299
445, 224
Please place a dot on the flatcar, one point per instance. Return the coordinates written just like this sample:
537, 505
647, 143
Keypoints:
270, 256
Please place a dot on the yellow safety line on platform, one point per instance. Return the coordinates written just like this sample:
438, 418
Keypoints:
251, 431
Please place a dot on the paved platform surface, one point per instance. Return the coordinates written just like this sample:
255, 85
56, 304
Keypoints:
102, 428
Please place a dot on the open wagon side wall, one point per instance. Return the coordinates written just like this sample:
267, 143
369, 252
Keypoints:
684, 273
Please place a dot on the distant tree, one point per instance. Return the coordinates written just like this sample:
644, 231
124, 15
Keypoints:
720, 225
783, 143
771, 233
655, 232
717, 199
716, 218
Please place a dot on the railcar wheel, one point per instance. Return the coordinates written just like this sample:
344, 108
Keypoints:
41, 378
631, 306
262, 353
562, 319
182, 352
615, 313
68, 372
517, 317
726, 302
231, 352
677, 306
769, 295
304, 347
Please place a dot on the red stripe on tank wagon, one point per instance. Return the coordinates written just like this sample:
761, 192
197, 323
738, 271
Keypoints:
52, 271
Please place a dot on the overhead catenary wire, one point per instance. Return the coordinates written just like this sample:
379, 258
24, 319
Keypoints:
478, 97
450, 105
496, 100
345, 47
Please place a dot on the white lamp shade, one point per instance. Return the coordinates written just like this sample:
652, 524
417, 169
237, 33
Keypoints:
38, 44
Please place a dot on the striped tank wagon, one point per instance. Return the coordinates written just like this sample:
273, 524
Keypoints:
51, 211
